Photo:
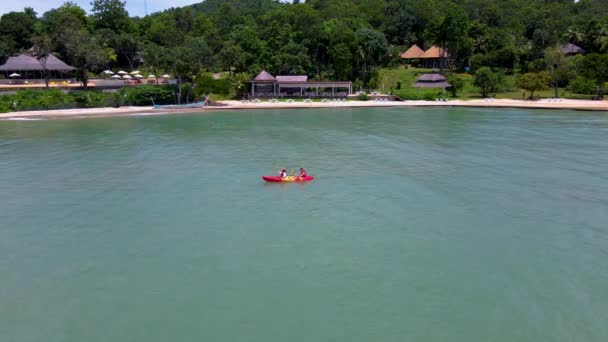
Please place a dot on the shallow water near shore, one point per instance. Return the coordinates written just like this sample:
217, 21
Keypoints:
423, 224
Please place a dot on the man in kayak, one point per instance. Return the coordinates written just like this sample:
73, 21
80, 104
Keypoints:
283, 173
302, 172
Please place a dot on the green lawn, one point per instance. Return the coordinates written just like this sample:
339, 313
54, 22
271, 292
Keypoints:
388, 81
407, 76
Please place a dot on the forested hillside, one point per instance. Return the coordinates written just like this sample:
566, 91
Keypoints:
326, 39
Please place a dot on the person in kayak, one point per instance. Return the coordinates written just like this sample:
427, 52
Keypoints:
302, 172
283, 173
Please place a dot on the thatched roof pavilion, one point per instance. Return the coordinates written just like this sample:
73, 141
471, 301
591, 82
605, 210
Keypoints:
25, 62
431, 81
266, 85
30, 67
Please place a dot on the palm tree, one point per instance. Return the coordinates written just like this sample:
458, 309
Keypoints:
573, 36
239, 83
602, 39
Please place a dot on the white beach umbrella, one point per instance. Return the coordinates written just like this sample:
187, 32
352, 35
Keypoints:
151, 76
138, 76
127, 77
122, 72
135, 72
116, 76
14, 75
166, 76
108, 72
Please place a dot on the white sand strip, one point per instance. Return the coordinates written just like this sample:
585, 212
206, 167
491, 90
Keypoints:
238, 105
78, 112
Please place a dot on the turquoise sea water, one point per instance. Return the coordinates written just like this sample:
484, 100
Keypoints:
422, 225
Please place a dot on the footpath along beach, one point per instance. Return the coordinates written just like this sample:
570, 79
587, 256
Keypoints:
239, 105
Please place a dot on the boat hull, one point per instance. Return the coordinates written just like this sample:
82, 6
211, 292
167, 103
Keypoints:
289, 179
189, 105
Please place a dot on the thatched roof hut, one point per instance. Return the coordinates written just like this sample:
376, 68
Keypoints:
571, 49
431, 81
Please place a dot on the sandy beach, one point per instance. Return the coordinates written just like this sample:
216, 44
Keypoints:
74, 113
239, 105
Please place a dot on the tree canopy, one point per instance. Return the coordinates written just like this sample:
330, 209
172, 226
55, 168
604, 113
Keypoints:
339, 39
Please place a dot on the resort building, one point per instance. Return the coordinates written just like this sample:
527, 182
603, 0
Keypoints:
267, 85
414, 52
434, 57
23, 67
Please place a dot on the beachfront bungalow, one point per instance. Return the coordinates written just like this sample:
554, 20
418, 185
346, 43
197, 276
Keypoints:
434, 57
23, 67
431, 81
267, 85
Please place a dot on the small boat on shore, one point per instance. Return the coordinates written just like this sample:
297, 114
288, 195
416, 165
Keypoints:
189, 105
200, 104
288, 179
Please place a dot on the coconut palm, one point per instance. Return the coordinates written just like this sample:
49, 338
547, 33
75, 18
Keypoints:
602, 39
573, 36
239, 83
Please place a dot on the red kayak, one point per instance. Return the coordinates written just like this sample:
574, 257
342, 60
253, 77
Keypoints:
287, 179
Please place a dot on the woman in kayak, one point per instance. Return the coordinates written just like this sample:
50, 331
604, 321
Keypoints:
302, 172
283, 173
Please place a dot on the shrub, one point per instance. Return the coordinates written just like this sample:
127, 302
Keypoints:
89, 99
363, 97
118, 98
33, 99
500, 83
146, 94
206, 84
429, 96
39, 99
457, 84
5, 103
582, 85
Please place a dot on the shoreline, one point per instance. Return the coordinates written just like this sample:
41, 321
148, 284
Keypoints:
582, 105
